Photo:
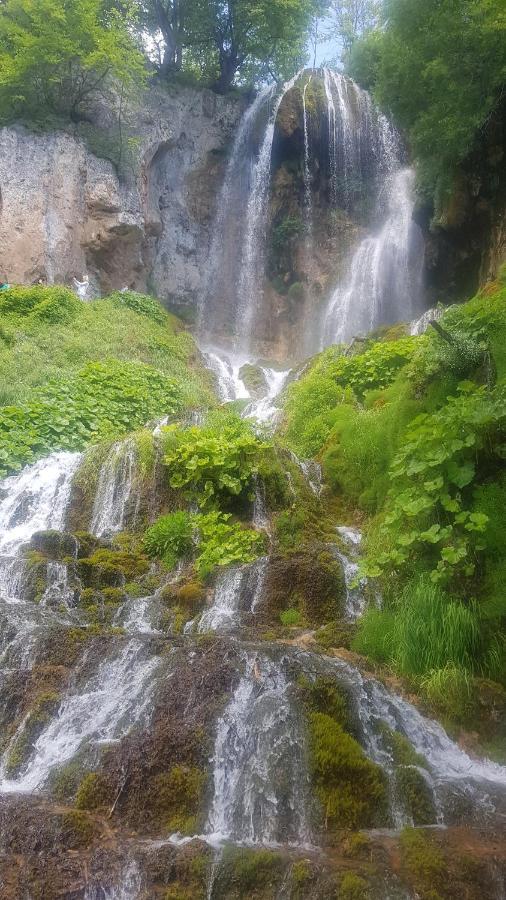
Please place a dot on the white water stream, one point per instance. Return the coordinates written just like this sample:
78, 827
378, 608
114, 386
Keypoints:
114, 489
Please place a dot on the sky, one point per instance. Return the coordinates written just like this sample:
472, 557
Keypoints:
327, 50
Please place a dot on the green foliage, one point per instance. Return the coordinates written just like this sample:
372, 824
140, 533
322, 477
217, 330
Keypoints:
425, 632
449, 691
52, 305
353, 887
223, 543
170, 537
176, 798
435, 48
422, 862
327, 394
60, 58
213, 464
290, 617
142, 304
102, 400
427, 510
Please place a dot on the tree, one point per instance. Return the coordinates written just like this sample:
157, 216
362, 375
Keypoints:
60, 56
354, 18
440, 68
230, 41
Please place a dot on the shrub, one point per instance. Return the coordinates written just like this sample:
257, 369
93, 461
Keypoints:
353, 887
170, 538
102, 400
44, 304
213, 463
290, 617
426, 511
142, 304
223, 543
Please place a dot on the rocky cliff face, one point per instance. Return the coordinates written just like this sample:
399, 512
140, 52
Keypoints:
64, 211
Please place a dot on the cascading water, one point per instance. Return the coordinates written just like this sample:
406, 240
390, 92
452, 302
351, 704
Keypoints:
101, 710
252, 263
308, 193
221, 277
355, 599
385, 272
114, 489
35, 500
260, 785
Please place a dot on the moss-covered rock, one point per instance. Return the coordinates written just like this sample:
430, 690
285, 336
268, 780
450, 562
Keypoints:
351, 790
177, 798
254, 380
54, 544
93, 792
423, 864
311, 581
43, 707
112, 568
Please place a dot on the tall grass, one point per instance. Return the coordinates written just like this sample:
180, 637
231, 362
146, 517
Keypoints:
424, 633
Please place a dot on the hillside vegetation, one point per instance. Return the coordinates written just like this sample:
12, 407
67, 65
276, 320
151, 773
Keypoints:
411, 434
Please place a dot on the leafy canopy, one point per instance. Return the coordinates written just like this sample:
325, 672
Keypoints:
60, 57
440, 67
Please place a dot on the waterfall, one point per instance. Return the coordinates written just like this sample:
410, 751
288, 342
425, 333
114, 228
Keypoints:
114, 489
104, 708
451, 772
221, 277
252, 262
223, 615
35, 500
308, 182
58, 590
355, 600
260, 518
129, 887
259, 766
385, 272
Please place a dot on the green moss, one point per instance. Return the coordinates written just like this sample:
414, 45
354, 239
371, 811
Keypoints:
403, 753
335, 634
423, 864
353, 887
93, 792
245, 870
42, 709
356, 845
177, 797
416, 795
65, 780
254, 380
111, 568
78, 829
290, 617
351, 789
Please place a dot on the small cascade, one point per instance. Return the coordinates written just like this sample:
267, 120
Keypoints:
331, 120
265, 410
114, 489
355, 599
260, 518
311, 471
385, 273
103, 709
259, 767
59, 589
420, 326
252, 263
229, 385
129, 886
451, 772
35, 500
256, 581
223, 615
